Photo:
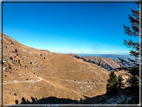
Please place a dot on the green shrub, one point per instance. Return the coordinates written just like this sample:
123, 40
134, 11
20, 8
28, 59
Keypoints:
112, 84
120, 84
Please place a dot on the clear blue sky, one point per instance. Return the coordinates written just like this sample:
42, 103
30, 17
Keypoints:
69, 27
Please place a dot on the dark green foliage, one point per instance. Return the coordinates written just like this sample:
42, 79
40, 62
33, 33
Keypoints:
15, 94
9, 67
12, 43
16, 50
134, 79
133, 32
120, 84
11, 58
18, 61
112, 84
16, 101
24, 101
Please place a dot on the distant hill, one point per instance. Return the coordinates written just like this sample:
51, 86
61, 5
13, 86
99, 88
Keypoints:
107, 63
115, 57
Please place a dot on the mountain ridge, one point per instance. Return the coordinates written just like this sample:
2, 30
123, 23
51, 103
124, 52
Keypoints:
107, 63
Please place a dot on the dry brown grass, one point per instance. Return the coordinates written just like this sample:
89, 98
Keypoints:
62, 75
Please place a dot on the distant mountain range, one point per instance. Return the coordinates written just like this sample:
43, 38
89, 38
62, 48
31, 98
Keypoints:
115, 57
108, 62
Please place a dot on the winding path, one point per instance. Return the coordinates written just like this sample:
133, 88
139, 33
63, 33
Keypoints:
23, 81
55, 85
59, 86
74, 81
15, 81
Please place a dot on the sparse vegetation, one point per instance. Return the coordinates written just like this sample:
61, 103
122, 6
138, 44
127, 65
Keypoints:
16, 50
18, 61
15, 94
9, 67
25, 67
11, 58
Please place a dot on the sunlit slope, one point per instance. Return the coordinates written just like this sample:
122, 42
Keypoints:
29, 72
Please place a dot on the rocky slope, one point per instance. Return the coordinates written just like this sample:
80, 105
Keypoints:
33, 73
107, 63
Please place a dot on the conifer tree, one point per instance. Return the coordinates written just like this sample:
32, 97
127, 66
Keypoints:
112, 84
133, 32
120, 84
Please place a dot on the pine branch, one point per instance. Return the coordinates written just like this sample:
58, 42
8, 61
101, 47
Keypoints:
124, 62
131, 44
135, 13
127, 30
134, 53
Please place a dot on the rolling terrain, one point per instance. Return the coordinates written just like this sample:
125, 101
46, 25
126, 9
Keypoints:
33, 73
106, 63
113, 56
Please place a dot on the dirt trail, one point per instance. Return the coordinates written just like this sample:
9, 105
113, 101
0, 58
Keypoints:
59, 86
55, 85
73, 81
15, 81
